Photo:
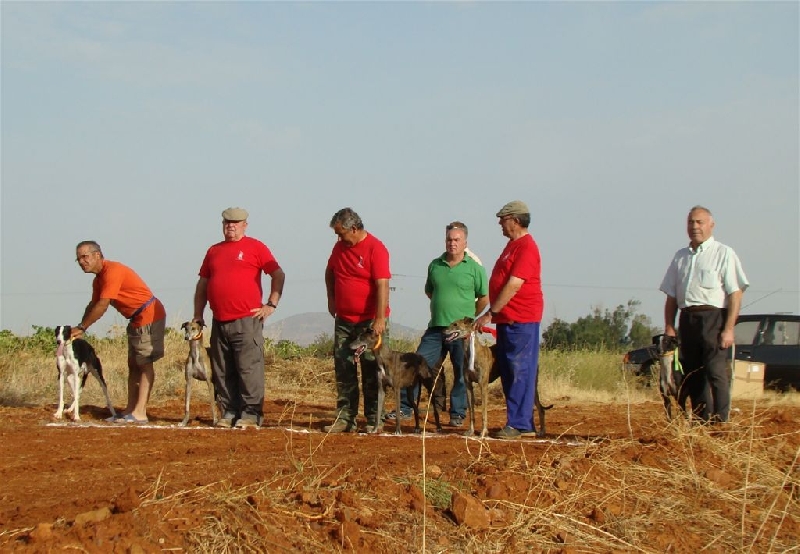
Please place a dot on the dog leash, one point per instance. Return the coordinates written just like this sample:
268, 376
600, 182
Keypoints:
142, 307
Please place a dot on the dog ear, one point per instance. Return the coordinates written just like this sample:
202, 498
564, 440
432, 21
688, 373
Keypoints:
185, 325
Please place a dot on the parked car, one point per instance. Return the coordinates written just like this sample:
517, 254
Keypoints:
772, 339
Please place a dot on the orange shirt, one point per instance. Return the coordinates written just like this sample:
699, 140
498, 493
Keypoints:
127, 292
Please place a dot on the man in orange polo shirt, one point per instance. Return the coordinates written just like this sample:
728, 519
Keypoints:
118, 285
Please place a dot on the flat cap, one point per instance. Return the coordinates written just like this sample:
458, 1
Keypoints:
235, 214
517, 207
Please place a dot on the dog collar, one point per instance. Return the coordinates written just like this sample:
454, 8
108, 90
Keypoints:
377, 344
198, 336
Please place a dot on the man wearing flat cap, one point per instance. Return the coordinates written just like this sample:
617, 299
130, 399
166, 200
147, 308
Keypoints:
516, 305
230, 281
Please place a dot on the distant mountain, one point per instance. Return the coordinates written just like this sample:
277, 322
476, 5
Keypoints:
304, 329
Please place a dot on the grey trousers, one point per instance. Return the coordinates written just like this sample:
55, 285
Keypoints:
237, 363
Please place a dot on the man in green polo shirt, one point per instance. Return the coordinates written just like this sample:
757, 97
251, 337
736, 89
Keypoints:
458, 288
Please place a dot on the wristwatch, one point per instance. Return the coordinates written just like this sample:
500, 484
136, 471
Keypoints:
81, 327
271, 304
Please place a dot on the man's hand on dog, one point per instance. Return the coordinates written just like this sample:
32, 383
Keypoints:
75, 333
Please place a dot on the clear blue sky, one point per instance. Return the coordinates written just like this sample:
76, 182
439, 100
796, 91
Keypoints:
136, 124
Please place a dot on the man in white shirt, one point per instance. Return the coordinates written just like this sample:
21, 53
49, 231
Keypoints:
705, 281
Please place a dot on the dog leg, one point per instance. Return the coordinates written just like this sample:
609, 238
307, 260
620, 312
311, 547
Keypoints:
60, 409
471, 405
484, 385
537, 405
75, 409
397, 411
214, 415
381, 398
72, 381
187, 391
414, 406
437, 393
102, 381
541, 411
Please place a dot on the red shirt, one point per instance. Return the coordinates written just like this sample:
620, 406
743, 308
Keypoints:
355, 269
233, 270
127, 292
520, 258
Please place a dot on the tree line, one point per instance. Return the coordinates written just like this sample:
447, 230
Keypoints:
620, 329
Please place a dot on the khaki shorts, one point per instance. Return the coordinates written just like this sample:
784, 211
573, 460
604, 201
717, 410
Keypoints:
146, 343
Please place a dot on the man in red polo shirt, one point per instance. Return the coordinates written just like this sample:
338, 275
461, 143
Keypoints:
230, 281
357, 282
118, 285
516, 305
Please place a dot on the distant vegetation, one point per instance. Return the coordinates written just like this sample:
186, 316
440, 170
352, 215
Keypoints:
616, 330
621, 329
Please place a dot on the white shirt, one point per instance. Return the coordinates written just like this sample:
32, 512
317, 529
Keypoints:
704, 276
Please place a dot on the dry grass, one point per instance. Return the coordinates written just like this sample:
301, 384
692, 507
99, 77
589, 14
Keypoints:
682, 488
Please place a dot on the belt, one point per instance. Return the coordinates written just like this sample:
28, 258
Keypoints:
700, 308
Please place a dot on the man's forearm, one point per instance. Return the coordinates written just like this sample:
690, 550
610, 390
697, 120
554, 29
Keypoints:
734, 304
94, 311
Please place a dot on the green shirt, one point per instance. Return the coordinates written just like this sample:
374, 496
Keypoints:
453, 290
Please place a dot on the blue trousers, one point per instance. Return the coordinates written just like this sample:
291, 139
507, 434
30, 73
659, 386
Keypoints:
518, 362
433, 347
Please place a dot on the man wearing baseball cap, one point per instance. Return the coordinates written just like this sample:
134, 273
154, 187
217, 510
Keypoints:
516, 305
230, 281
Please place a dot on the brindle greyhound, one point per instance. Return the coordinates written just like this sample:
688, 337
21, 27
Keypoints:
195, 367
399, 370
484, 371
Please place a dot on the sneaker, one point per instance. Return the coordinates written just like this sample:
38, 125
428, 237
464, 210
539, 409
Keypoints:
340, 426
528, 432
456, 421
247, 421
507, 432
404, 415
226, 421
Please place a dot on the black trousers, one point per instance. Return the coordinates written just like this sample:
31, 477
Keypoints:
705, 363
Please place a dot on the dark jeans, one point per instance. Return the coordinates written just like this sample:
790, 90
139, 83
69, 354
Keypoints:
705, 363
237, 363
434, 348
347, 373
518, 362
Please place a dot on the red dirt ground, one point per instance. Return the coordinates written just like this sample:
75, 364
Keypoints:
99, 487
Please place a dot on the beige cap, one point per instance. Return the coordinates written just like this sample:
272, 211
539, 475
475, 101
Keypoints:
235, 214
517, 207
